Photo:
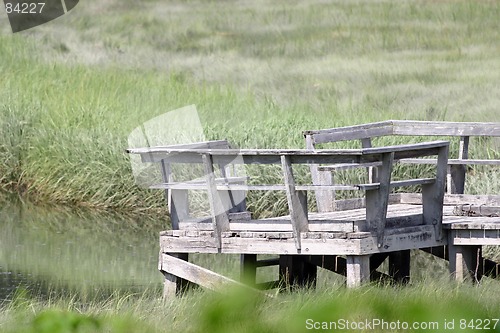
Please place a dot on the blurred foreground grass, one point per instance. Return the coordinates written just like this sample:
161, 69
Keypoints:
429, 305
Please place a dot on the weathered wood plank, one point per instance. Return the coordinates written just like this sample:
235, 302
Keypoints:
325, 199
398, 183
238, 187
406, 239
198, 275
444, 128
417, 149
220, 217
351, 132
476, 211
404, 127
339, 167
452, 161
433, 195
273, 225
297, 202
377, 200
454, 199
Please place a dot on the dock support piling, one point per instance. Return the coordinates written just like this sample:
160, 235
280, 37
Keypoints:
358, 270
173, 285
466, 262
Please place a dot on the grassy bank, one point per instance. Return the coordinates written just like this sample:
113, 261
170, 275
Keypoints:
428, 305
259, 73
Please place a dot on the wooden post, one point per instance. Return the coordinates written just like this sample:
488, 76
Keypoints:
173, 285
325, 199
177, 200
297, 202
433, 195
458, 171
178, 206
220, 218
466, 261
378, 199
372, 171
358, 270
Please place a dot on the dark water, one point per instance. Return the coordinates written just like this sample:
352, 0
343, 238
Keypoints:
51, 253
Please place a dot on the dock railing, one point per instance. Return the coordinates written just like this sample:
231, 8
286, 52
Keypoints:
365, 133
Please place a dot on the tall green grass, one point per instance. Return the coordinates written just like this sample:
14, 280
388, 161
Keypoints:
260, 73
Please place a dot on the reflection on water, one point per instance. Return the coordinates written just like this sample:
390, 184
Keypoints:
54, 253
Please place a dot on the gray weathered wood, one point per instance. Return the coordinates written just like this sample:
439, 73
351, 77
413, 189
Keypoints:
352, 132
458, 171
404, 127
371, 171
465, 262
220, 217
443, 128
239, 187
406, 238
358, 270
454, 199
179, 207
378, 199
297, 201
324, 198
398, 183
471, 210
453, 161
197, 275
172, 285
433, 195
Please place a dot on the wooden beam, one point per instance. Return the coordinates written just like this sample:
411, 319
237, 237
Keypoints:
459, 171
352, 132
173, 285
433, 195
220, 217
297, 202
445, 128
371, 170
196, 274
325, 199
378, 199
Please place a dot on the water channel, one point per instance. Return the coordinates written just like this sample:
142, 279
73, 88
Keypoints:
47, 253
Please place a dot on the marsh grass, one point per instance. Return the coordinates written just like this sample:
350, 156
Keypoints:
238, 310
260, 73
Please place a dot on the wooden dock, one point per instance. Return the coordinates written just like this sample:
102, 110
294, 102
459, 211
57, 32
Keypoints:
350, 237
